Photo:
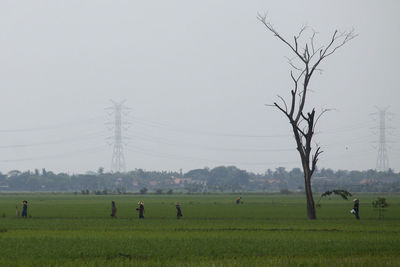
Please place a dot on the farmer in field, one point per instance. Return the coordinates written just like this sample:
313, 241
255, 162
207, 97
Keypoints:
141, 209
178, 211
113, 210
24, 209
355, 208
238, 200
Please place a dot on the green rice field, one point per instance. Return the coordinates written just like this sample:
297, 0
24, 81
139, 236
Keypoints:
266, 230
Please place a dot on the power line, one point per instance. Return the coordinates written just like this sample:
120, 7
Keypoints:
350, 128
169, 127
185, 158
158, 140
232, 148
202, 132
49, 127
56, 156
89, 136
158, 154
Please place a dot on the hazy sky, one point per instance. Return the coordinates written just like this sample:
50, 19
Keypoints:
196, 75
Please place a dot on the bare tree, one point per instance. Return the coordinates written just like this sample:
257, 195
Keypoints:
306, 61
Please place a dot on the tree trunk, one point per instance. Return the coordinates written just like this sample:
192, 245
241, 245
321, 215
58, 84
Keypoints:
309, 196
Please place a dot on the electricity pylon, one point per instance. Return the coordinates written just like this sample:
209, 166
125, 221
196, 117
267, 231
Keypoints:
118, 159
382, 161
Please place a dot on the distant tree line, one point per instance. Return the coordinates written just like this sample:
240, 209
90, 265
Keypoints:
219, 179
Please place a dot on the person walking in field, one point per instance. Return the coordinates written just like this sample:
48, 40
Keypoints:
178, 211
113, 210
355, 209
238, 200
141, 209
24, 213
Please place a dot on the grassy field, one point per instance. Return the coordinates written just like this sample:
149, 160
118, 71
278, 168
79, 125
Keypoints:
266, 230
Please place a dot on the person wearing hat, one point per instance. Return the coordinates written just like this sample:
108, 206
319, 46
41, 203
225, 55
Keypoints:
141, 209
355, 208
238, 200
178, 210
113, 210
24, 213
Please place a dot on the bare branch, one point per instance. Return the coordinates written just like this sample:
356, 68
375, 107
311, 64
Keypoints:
303, 133
293, 105
300, 75
348, 36
303, 28
296, 38
303, 94
271, 28
307, 53
315, 159
294, 92
316, 51
290, 61
320, 71
293, 78
334, 37
320, 115
281, 109
284, 102
325, 52
304, 117
269, 105
312, 41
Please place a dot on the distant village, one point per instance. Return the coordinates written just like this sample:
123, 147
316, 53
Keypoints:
222, 179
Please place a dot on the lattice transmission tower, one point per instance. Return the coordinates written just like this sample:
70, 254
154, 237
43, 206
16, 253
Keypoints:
118, 159
382, 161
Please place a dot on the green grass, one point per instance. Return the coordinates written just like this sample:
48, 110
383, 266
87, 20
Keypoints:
270, 230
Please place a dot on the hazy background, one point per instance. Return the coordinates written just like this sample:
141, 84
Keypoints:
196, 75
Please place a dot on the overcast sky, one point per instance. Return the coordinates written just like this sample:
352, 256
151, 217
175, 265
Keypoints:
196, 76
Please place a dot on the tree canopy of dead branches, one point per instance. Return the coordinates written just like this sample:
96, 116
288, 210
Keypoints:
307, 56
